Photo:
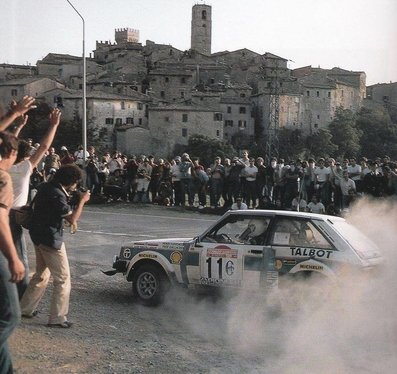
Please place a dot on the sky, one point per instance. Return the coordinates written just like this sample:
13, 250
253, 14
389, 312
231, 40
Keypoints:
354, 35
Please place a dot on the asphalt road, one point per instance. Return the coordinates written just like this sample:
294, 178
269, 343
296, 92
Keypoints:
193, 333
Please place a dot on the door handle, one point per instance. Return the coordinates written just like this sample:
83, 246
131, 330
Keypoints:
256, 251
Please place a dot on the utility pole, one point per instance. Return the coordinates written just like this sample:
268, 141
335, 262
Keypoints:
84, 98
272, 76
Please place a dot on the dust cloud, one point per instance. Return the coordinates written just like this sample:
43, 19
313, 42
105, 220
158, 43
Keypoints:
344, 329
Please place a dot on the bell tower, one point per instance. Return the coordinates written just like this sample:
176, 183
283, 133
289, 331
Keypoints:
201, 28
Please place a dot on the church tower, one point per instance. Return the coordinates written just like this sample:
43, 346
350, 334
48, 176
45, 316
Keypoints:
201, 28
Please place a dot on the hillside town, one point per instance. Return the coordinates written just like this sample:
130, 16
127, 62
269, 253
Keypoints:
151, 97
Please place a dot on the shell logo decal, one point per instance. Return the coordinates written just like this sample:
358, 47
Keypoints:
278, 264
176, 257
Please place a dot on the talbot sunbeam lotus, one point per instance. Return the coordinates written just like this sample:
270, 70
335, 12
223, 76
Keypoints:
249, 249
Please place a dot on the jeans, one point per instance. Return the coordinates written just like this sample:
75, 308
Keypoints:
9, 314
18, 238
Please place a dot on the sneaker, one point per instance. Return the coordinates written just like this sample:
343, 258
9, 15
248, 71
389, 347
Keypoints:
31, 315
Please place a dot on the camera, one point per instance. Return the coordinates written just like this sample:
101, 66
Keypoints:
75, 196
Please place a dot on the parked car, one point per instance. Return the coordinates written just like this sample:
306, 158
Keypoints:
247, 249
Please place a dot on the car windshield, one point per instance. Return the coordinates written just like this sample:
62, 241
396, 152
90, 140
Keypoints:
363, 246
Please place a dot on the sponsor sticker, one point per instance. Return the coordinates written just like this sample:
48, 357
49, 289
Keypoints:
127, 253
311, 267
176, 257
147, 255
306, 252
278, 265
222, 251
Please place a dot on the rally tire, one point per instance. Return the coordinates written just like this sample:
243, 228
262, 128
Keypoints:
149, 285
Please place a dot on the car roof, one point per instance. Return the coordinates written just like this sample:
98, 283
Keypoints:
284, 213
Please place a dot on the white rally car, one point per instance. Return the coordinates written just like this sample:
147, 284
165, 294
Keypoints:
247, 249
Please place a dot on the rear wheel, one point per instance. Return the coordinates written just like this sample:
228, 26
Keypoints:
150, 284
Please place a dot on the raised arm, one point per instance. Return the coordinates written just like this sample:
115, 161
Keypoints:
46, 141
18, 109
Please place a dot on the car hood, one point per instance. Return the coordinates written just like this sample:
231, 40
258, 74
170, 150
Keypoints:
156, 244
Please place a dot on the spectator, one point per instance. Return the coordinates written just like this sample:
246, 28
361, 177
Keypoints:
11, 267
250, 172
270, 170
142, 182
315, 206
114, 187
298, 203
239, 204
185, 168
80, 157
216, 182
355, 171
91, 169
115, 162
66, 157
292, 176
103, 173
21, 173
233, 179
279, 182
260, 177
52, 163
348, 189
322, 176
50, 210
176, 181
336, 176
372, 181
201, 182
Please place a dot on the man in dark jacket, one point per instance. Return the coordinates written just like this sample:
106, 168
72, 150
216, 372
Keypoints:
51, 208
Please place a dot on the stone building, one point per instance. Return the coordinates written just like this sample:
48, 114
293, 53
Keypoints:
173, 124
105, 112
15, 89
201, 28
383, 93
12, 71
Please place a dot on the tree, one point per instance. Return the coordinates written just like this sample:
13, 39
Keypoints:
379, 134
206, 149
345, 135
69, 133
320, 144
291, 143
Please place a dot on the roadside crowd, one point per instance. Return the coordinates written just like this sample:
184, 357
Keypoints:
323, 186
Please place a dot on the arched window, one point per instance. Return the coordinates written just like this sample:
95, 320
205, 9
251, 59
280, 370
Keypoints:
204, 14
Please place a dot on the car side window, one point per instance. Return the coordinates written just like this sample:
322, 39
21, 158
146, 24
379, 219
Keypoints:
299, 233
246, 230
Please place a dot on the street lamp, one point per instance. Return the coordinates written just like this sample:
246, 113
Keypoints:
84, 87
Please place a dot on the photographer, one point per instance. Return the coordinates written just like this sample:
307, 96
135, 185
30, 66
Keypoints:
51, 208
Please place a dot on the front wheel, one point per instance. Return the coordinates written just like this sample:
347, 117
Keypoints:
150, 284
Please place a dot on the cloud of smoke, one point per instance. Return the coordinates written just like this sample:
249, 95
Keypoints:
347, 328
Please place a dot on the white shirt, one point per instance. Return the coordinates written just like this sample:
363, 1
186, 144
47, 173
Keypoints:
20, 175
175, 173
322, 173
346, 186
250, 173
316, 208
243, 206
353, 170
